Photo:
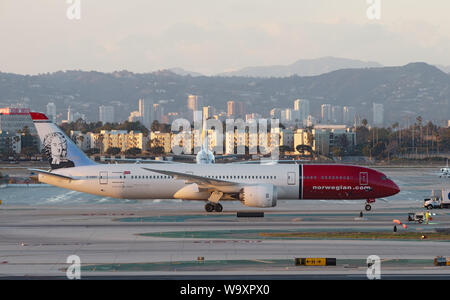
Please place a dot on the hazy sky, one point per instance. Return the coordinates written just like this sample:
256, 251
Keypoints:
211, 36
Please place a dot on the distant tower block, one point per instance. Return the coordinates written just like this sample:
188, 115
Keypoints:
106, 114
301, 110
378, 114
326, 113
51, 111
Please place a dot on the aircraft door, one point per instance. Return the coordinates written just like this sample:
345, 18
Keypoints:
291, 178
103, 177
363, 178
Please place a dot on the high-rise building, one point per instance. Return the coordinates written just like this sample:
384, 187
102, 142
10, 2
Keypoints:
336, 114
235, 108
349, 114
193, 102
276, 113
378, 114
13, 119
198, 114
286, 115
231, 108
157, 112
208, 112
51, 111
69, 115
326, 113
301, 110
106, 114
146, 110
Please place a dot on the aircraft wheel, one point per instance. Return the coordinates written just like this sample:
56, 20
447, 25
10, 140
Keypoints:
368, 207
209, 207
218, 207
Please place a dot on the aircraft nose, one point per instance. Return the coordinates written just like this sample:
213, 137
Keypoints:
394, 188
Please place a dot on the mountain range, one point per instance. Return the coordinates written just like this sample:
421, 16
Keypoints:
406, 91
303, 67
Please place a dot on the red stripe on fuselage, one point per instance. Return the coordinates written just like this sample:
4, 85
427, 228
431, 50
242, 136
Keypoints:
345, 182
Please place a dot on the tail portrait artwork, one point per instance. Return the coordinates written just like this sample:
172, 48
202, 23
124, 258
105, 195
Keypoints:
60, 150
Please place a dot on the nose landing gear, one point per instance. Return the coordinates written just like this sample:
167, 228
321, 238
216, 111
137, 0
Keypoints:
368, 207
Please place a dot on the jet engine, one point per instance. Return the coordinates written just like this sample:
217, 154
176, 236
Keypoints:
263, 195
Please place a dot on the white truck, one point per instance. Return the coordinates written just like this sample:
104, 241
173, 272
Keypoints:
438, 202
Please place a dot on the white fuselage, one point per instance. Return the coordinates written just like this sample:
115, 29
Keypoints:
131, 181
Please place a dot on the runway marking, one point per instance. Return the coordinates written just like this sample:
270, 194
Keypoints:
263, 261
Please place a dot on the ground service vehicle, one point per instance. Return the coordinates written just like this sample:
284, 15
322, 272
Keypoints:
416, 217
438, 202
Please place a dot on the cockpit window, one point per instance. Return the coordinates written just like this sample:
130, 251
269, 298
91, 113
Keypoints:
384, 177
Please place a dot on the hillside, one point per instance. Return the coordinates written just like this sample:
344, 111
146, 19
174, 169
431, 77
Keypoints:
304, 67
415, 89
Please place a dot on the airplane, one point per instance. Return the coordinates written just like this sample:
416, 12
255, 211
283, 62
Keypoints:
445, 171
255, 185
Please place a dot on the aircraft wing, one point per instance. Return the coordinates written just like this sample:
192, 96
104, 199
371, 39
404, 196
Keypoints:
184, 156
52, 174
199, 180
269, 162
140, 160
228, 156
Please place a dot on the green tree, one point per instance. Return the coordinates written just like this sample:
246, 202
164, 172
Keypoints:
113, 151
133, 151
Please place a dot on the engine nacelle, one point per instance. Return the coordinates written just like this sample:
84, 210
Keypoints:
262, 195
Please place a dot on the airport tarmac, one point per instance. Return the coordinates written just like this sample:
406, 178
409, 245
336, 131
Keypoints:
164, 239
140, 240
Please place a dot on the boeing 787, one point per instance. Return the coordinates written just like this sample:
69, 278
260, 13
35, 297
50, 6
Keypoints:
252, 184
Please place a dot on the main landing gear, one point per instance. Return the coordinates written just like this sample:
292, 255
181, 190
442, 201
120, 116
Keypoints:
210, 207
368, 207
213, 202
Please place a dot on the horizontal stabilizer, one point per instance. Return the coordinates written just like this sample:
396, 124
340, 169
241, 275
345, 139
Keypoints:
52, 174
